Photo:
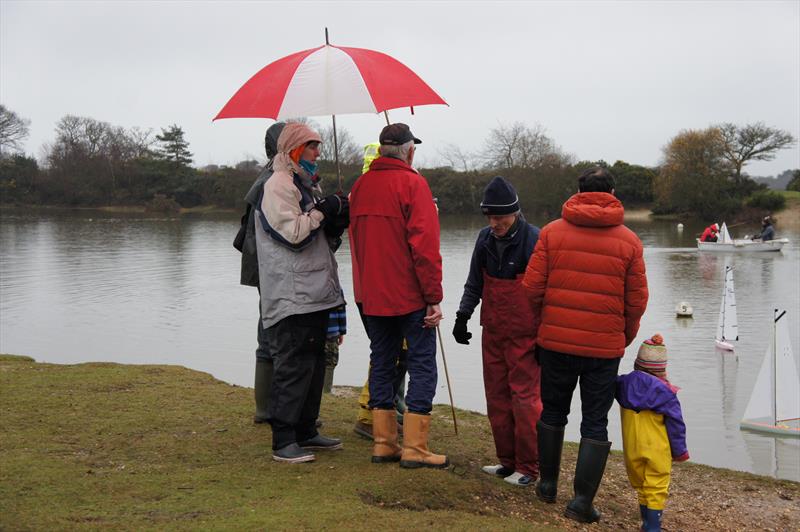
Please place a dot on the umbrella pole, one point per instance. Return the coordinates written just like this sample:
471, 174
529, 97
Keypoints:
386, 115
447, 377
336, 152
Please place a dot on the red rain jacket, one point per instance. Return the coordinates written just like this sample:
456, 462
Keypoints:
587, 279
394, 240
709, 233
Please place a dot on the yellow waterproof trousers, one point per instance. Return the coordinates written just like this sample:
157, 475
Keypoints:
364, 413
648, 458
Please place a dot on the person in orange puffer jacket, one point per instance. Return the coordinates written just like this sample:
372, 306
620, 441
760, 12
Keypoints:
587, 284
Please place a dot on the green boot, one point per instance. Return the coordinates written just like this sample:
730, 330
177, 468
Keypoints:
263, 387
328, 383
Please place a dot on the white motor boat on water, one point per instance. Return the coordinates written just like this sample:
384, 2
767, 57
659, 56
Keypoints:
726, 243
774, 405
728, 327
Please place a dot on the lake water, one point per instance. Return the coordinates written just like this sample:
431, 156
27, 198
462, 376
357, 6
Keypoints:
79, 286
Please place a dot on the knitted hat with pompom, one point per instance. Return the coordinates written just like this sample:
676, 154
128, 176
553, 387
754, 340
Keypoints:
652, 357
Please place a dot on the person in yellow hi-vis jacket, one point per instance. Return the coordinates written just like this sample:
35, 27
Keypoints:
371, 152
653, 431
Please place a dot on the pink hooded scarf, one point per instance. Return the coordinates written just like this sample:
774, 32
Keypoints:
292, 136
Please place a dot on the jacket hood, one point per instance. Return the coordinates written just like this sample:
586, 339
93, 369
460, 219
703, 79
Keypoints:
593, 209
271, 139
294, 134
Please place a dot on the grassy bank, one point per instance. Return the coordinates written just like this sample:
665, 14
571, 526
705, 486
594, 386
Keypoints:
789, 217
131, 447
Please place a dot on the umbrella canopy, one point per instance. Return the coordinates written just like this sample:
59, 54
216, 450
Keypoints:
329, 80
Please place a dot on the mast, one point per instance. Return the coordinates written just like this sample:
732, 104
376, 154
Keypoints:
724, 303
775, 365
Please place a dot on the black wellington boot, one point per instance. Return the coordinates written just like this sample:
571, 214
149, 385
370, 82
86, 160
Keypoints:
263, 387
592, 456
551, 440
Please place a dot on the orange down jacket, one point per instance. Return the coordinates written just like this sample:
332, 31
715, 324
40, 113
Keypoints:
586, 279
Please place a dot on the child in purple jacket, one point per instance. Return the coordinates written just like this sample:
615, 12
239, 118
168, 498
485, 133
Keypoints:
653, 432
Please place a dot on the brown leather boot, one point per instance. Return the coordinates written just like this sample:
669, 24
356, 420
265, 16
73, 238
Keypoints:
384, 433
415, 444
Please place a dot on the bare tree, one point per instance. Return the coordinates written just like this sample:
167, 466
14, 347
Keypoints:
305, 121
13, 130
518, 146
753, 142
142, 141
349, 152
456, 158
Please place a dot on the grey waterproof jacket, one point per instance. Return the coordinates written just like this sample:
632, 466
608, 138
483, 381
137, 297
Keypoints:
296, 266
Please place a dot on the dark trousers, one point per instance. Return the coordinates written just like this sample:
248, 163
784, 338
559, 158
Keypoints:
297, 345
386, 335
399, 382
598, 378
262, 351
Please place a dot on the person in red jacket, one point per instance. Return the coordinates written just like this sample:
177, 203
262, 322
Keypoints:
710, 234
588, 287
397, 279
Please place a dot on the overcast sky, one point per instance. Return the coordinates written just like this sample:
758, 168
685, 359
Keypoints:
607, 80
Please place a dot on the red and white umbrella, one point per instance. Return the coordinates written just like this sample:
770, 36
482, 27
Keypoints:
329, 80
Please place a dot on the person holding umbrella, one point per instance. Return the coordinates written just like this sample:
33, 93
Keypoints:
299, 287
510, 371
397, 277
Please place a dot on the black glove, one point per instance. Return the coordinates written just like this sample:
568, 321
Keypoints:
336, 226
460, 332
332, 206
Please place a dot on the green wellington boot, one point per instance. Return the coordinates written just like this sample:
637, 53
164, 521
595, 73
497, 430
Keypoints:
328, 383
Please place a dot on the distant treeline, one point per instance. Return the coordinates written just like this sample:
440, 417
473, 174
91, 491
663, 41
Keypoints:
93, 163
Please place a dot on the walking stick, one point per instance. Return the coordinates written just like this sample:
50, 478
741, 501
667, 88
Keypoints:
447, 377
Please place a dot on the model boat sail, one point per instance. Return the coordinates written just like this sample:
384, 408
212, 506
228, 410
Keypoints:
724, 235
727, 329
774, 405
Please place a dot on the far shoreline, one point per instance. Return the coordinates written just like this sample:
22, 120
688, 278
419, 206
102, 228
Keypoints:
789, 216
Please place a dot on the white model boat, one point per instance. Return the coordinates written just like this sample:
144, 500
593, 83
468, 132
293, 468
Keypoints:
728, 327
726, 243
774, 405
